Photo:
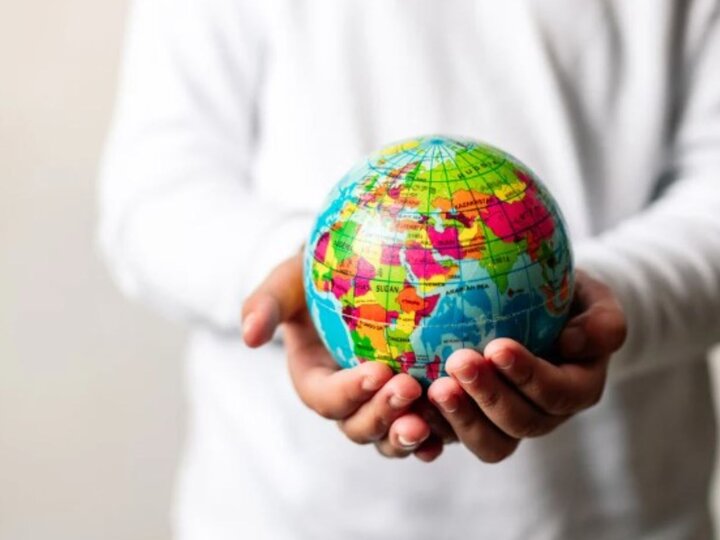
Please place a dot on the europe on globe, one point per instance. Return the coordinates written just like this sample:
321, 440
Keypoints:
432, 245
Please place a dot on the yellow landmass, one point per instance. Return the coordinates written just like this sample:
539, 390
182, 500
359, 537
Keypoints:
402, 147
512, 190
406, 322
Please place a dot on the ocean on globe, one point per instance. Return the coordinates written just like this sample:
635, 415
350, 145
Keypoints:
435, 244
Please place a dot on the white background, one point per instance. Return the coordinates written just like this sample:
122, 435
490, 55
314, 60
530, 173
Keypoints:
91, 408
90, 399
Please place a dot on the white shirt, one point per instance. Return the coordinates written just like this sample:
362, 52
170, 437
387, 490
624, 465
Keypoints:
234, 119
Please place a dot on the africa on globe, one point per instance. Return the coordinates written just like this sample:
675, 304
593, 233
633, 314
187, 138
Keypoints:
432, 245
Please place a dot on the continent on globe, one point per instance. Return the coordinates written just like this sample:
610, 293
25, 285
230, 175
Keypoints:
435, 244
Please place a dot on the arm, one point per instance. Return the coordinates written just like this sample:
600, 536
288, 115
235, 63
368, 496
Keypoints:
664, 264
180, 215
178, 206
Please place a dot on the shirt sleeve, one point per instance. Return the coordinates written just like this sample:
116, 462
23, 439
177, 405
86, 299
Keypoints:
180, 222
664, 264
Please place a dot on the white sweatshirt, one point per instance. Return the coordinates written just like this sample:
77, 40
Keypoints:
235, 117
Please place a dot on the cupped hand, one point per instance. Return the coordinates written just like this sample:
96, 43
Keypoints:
495, 399
370, 403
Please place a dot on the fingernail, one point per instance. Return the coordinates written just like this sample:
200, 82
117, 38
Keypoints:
407, 444
467, 373
574, 341
504, 360
449, 404
248, 323
370, 384
398, 402
378, 435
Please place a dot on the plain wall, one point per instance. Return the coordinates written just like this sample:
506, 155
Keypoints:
90, 385
90, 400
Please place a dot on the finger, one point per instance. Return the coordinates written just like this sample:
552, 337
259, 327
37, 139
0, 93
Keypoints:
409, 432
372, 420
279, 298
559, 390
600, 327
332, 392
473, 429
405, 436
501, 403
430, 450
437, 422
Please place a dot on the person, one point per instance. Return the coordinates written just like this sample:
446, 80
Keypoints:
234, 119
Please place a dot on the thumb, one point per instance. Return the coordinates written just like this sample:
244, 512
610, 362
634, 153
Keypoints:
600, 328
276, 300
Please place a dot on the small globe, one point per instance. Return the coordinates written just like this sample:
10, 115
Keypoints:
432, 245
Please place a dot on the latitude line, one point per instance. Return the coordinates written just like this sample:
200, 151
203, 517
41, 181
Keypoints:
556, 252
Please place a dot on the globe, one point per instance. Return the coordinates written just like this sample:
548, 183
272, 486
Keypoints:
435, 244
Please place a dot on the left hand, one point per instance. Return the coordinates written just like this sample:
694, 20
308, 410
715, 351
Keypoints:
495, 399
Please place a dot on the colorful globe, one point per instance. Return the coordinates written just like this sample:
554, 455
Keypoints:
432, 245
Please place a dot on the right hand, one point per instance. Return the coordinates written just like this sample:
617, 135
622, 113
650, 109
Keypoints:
370, 403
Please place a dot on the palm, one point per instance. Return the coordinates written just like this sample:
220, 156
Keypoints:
306, 352
303, 344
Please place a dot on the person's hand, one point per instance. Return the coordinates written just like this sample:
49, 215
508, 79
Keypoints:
495, 399
369, 402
